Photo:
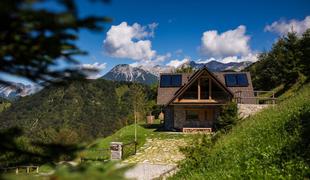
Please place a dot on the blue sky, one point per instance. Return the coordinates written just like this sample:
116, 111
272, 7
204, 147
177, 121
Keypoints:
181, 26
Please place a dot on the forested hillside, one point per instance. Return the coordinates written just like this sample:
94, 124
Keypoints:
285, 64
78, 111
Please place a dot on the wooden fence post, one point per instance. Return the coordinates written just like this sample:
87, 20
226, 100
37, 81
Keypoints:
136, 147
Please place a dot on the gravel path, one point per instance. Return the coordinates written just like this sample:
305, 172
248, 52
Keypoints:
155, 158
146, 171
159, 151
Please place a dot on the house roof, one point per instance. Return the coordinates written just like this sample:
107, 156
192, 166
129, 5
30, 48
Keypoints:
193, 78
167, 95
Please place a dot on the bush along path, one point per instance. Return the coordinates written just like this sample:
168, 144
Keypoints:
157, 157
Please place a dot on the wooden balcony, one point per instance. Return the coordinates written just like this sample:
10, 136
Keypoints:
255, 97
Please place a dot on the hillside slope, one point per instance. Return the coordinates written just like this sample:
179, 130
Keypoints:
81, 110
273, 144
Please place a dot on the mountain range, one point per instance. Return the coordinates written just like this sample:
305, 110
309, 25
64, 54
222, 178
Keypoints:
125, 72
150, 75
16, 90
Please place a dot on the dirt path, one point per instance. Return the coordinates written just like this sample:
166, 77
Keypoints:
155, 158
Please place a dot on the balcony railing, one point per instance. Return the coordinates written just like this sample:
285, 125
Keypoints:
255, 97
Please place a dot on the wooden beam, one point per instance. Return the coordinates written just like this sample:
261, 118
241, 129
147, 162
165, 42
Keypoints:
199, 89
210, 87
198, 100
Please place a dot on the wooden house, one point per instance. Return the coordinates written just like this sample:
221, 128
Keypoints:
194, 100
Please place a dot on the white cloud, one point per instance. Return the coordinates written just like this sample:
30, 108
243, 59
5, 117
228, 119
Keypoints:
282, 27
230, 43
252, 57
95, 66
161, 58
152, 28
176, 63
151, 63
203, 61
92, 71
125, 41
249, 57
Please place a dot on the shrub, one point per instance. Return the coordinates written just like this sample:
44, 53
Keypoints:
228, 117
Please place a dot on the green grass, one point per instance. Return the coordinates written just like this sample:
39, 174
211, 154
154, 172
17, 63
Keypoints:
273, 144
124, 135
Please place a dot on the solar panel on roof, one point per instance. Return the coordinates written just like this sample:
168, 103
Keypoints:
170, 80
242, 80
230, 80
165, 81
236, 80
176, 80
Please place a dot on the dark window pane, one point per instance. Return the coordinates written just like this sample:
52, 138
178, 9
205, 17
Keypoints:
165, 81
204, 88
176, 80
242, 80
192, 116
191, 92
230, 79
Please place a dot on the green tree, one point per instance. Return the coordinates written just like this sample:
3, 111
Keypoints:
305, 48
228, 117
284, 64
34, 39
185, 69
138, 100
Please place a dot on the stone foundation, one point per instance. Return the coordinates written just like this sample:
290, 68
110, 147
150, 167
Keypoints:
245, 110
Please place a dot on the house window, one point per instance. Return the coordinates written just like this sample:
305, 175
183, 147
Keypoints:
236, 80
170, 80
192, 115
218, 93
204, 88
191, 92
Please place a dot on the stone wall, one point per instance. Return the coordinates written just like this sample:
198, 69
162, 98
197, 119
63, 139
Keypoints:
245, 110
179, 118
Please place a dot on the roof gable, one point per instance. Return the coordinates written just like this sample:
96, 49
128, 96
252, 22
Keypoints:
193, 78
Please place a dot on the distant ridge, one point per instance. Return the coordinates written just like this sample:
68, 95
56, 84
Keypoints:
17, 90
125, 72
150, 75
